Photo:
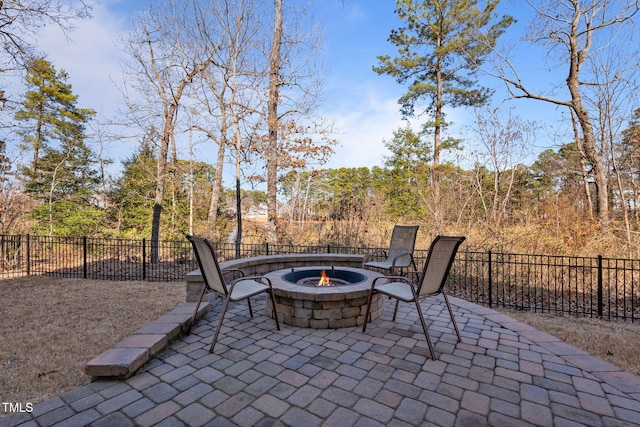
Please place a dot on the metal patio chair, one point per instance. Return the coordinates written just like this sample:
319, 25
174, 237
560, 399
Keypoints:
239, 289
400, 255
430, 282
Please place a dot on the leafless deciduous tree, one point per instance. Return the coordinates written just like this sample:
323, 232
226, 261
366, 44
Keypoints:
505, 144
22, 20
295, 134
575, 32
275, 64
615, 97
231, 94
168, 48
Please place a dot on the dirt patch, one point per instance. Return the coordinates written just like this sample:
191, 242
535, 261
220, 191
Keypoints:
50, 328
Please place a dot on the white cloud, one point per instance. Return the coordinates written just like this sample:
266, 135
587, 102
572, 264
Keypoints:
365, 117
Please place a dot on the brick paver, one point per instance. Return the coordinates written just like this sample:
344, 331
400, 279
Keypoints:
502, 373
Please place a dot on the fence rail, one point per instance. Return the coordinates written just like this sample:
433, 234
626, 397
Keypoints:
607, 288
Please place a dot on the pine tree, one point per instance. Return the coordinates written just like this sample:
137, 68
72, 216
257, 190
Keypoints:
62, 175
132, 195
439, 49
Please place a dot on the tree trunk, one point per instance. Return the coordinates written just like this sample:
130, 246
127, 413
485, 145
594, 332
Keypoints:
217, 187
590, 150
157, 206
437, 141
272, 119
583, 166
576, 59
216, 192
238, 213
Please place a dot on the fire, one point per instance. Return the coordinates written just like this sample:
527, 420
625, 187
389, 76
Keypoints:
324, 279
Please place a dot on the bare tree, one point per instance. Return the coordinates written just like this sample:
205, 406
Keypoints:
294, 134
169, 47
22, 20
231, 92
505, 145
577, 31
614, 98
275, 64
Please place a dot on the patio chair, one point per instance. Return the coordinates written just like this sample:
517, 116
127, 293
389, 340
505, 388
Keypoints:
239, 289
430, 282
403, 240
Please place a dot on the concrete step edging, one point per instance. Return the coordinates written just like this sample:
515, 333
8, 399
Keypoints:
126, 357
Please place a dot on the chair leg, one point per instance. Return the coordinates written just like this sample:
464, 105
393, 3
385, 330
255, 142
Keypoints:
275, 312
395, 311
250, 309
224, 310
455, 326
195, 313
424, 328
366, 316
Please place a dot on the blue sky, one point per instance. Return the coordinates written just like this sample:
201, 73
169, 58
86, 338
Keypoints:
362, 104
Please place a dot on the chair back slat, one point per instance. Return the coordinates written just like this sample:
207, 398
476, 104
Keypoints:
438, 264
209, 268
403, 241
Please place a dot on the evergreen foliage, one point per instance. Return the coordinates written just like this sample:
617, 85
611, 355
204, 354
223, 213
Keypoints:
439, 50
133, 193
62, 175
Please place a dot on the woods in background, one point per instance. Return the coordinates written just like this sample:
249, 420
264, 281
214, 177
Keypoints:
243, 77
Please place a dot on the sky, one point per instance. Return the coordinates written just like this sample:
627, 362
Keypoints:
362, 104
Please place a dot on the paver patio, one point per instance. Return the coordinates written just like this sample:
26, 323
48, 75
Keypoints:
503, 373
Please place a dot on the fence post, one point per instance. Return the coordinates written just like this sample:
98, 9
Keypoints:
267, 248
28, 255
144, 259
490, 277
84, 257
600, 303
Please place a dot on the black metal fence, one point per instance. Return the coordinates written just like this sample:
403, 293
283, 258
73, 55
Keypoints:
582, 286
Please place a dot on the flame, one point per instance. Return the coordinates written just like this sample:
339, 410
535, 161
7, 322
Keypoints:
324, 279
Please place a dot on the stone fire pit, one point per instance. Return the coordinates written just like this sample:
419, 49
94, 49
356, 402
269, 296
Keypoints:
301, 302
307, 306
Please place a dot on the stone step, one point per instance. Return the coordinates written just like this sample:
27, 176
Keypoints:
130, 354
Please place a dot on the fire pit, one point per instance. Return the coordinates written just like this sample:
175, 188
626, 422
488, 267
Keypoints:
324, 277
323, 296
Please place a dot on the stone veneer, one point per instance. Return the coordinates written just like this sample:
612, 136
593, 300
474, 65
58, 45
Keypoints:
323, 307
303, 306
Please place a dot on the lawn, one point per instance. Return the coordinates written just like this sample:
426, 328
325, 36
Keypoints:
50, 328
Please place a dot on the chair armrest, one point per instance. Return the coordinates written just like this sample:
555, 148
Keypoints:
398, 278
407, 254
414, 273
255, 278
372, 254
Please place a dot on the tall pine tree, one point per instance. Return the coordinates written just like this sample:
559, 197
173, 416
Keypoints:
439, 49
62, 175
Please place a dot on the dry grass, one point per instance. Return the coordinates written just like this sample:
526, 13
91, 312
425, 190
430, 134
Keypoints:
50, 328
615, 342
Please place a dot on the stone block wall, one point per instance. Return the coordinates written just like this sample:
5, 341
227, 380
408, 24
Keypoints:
265, 264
